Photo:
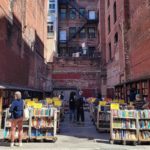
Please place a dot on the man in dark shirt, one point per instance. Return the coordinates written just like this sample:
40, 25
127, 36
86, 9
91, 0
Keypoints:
80, 107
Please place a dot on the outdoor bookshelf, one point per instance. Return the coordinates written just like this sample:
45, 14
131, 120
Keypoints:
43, 124
124, 126
7, 128
144, 125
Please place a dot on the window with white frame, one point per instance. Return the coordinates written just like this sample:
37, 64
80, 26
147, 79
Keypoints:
62, 35
92, 15
50, 28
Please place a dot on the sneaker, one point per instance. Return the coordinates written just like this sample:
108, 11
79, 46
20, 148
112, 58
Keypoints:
12, 144
20, 145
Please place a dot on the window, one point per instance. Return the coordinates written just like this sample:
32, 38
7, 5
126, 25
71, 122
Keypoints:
72, 14
51, 6
108, 3
72, 31
109, 29
91, 51
92, 15
116, 38
91, 32
50, 28
110, 52
62, 51
71, 50
62, 35
115, 12
82, 12
63, 14
83, 33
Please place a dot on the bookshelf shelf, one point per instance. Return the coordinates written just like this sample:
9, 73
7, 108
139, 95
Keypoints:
124, 128
121, 128
103, 120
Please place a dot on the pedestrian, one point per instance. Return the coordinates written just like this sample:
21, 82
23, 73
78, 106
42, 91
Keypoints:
72, 106
80, 108
98, 99
139, 103
16, 110
61, 96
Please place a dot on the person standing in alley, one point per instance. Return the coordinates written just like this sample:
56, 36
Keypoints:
80, 108
16, 110
61, 96
72, 106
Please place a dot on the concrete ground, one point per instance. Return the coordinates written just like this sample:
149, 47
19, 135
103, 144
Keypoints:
76, 137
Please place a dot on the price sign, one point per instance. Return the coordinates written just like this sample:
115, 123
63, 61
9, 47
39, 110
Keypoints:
49, 100
114, 106
102, 103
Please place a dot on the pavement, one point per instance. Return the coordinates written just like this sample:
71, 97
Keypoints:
77, 137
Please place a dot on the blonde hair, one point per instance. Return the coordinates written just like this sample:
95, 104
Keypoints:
18, 95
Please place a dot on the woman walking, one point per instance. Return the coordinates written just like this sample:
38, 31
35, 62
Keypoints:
16, 110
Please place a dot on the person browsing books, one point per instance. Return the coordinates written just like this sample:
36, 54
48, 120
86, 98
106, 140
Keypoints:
16, 110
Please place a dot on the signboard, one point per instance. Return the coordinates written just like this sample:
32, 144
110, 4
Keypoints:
114, 106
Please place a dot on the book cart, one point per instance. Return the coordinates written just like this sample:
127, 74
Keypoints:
7, 128
43, 124
124, 126
144, 126
103, 118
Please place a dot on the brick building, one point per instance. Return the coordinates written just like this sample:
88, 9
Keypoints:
127, 46
77, 64
102, 45
23, 38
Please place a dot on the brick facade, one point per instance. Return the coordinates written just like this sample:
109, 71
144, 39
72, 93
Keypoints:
82, 71
77, 74
128, 59
22, 44
139, 39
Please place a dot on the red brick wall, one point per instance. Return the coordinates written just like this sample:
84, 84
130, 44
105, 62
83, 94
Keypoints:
78, 73
22, 59
102, 43
115, 66
139, 39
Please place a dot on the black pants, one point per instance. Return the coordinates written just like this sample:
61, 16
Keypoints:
80, 114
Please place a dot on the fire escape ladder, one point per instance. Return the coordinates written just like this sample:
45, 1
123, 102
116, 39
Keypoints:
77, 32
75, 5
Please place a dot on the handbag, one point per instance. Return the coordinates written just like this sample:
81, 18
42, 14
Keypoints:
26, 114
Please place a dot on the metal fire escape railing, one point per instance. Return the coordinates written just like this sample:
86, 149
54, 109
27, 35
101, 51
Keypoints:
84, 15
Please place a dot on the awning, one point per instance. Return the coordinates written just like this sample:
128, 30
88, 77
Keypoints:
14, 87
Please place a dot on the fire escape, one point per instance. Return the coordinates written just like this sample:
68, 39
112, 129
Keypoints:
85, 16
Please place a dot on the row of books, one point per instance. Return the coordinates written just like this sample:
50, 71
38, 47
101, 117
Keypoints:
7, 133
43, 112
144, 114
145, 135
144, 124
124, 113
104, 116
42, 123
121, 134
104, 125
125, 124
40, 133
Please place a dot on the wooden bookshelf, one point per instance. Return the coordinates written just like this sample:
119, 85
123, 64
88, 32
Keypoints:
144, 125
43, 123
123, 126
7, 128
145, 89
103, 120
